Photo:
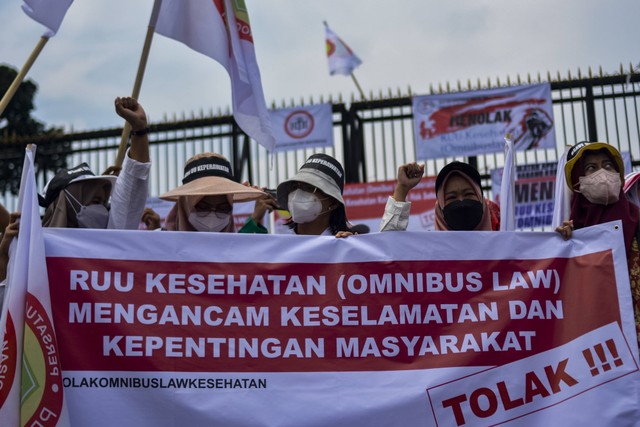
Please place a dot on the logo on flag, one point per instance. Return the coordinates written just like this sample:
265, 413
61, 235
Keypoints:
220, 29
31, 391
341, 58
298, 124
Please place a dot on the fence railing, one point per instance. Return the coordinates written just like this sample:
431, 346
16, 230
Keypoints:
372, 138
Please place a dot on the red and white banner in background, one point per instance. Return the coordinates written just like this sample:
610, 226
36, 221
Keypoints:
406, 329
302, 127
471, 123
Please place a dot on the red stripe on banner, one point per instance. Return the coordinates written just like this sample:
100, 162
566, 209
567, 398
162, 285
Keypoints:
114, 315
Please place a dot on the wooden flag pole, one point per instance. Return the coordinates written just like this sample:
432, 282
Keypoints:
357, 85
124, 138
6, 98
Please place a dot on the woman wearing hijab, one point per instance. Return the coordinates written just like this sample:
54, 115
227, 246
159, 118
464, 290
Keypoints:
77, 198
460, 204
313, 196
595, 173
204, 201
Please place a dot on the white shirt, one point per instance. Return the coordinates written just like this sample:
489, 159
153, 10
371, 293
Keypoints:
129, 195
396, 215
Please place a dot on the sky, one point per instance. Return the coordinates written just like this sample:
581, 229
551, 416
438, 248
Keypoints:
404, 43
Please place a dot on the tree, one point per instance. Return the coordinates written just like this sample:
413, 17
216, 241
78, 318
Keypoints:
16, 124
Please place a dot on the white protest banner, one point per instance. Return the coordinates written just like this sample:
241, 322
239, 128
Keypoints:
471, 123
174, 329
302, 127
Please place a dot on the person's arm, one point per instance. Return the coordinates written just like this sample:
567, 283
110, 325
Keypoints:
129, 195
397, 209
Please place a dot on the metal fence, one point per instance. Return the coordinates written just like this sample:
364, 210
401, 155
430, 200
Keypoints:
372, 137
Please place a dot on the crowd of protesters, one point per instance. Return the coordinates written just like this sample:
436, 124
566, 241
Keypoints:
77, 198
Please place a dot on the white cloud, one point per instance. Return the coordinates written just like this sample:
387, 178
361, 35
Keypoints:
419, 43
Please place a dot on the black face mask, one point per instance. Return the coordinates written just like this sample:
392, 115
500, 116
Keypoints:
463, 215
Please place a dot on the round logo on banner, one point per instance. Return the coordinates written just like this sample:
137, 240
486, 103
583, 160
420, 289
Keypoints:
298, 124
7, 360
42, 393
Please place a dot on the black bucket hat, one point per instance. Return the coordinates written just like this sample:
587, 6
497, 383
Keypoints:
64, 177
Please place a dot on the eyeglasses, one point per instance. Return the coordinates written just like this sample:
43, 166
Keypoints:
203, 209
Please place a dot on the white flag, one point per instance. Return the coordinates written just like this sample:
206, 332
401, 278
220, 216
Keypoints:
562, 195
32, 392
220, 29
508, 188
47, 12
341, 58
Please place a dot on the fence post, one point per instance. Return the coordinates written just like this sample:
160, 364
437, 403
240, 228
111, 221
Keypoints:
591, 113
353, 146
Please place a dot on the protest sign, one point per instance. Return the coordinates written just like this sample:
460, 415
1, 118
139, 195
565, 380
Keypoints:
476, 122
396, 328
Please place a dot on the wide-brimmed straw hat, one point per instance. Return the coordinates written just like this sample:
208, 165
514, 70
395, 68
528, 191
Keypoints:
577, 151
65, 177
320, 170
209, 174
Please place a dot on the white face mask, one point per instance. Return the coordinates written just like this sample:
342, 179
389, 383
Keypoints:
304, 206
91, 216
601, 187
212, 221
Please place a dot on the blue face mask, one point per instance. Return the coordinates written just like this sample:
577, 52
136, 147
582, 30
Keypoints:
91, 216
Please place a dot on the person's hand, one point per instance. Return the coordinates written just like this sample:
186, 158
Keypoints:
129, 109
9, 233
112, 170
343, 234
151, 219
409, 176
264, 204
566, 229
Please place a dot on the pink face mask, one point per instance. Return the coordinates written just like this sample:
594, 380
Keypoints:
601, 187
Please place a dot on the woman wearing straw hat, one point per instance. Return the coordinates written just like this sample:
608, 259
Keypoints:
595, 173
313, 196
204, 201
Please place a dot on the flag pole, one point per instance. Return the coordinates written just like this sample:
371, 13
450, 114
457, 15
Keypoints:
357, 85
6, 98
124, 138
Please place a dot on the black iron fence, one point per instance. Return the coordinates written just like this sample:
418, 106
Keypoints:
372, 137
